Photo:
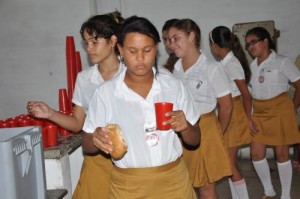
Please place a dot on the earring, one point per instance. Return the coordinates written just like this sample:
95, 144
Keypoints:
122, 59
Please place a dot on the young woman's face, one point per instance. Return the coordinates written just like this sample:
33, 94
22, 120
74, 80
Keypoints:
165, 36
139, 52
256, 46
98, 49
180, 42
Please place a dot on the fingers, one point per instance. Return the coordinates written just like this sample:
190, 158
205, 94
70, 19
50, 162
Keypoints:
178, 121
253, 128
102, 141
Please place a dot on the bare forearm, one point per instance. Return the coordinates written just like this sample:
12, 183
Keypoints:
225, 110
296, 99
247, 103
191, 135
224, 118
87, 143
66, 121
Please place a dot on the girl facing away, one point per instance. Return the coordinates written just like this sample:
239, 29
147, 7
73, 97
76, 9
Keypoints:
149, 169
226, 47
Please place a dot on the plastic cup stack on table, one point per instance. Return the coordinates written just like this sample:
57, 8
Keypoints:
78, 62
50, 135
64, 108
71, 66
49, 129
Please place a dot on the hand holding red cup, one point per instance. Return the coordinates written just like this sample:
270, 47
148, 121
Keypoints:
161, 108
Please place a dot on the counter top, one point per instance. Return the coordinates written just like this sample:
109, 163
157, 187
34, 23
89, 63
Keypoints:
66, 145
56, 193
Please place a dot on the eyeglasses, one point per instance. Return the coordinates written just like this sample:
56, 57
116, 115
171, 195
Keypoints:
253, 42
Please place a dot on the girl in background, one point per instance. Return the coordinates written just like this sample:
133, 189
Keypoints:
99, 35
172, 59
226, 47
274, 111
149, 169
208, 84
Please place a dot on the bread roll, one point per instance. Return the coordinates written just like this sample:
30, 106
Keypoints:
119, 145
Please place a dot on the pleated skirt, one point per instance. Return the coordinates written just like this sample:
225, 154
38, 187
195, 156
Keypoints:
238, 131
276, 119
210, 161
94, 181
168, 181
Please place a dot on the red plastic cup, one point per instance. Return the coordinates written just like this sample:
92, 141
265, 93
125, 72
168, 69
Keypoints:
64, 132
51, 132
45, 137
161, 108
37, 122
4, 124
23, 122
78, 62
64, 104
12, 123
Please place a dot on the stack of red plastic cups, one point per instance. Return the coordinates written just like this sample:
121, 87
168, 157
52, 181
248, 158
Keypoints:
49, 129
71, 66
78, 62
64, 108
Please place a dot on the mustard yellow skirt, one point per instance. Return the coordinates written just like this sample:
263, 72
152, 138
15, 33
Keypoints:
238, 131
167, 181
210, 162
276, 120
94, 181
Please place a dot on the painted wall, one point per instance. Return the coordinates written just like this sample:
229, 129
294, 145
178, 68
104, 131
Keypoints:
32, 50
32, 36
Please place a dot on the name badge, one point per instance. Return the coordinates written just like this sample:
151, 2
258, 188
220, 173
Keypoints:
151, 135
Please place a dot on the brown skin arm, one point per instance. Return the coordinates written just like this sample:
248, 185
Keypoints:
225, 110
247, 103
72, 122
296, 98
93, 142
190, 134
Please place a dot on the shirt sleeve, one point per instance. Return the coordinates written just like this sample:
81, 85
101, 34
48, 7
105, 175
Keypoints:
77, 91
236, 71
96, 113
188, 105
219, 82
290, 70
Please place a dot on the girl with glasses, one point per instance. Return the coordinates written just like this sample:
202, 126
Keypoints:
274, 111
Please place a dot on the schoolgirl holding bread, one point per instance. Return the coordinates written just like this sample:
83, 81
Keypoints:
208, 84
226, 47
274, 111
152, 166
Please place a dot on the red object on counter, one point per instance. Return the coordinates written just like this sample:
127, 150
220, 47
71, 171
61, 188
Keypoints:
78, 62
51, 134
23, 122
4, 124
45, 137
63, 100
71, 66
64, 132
